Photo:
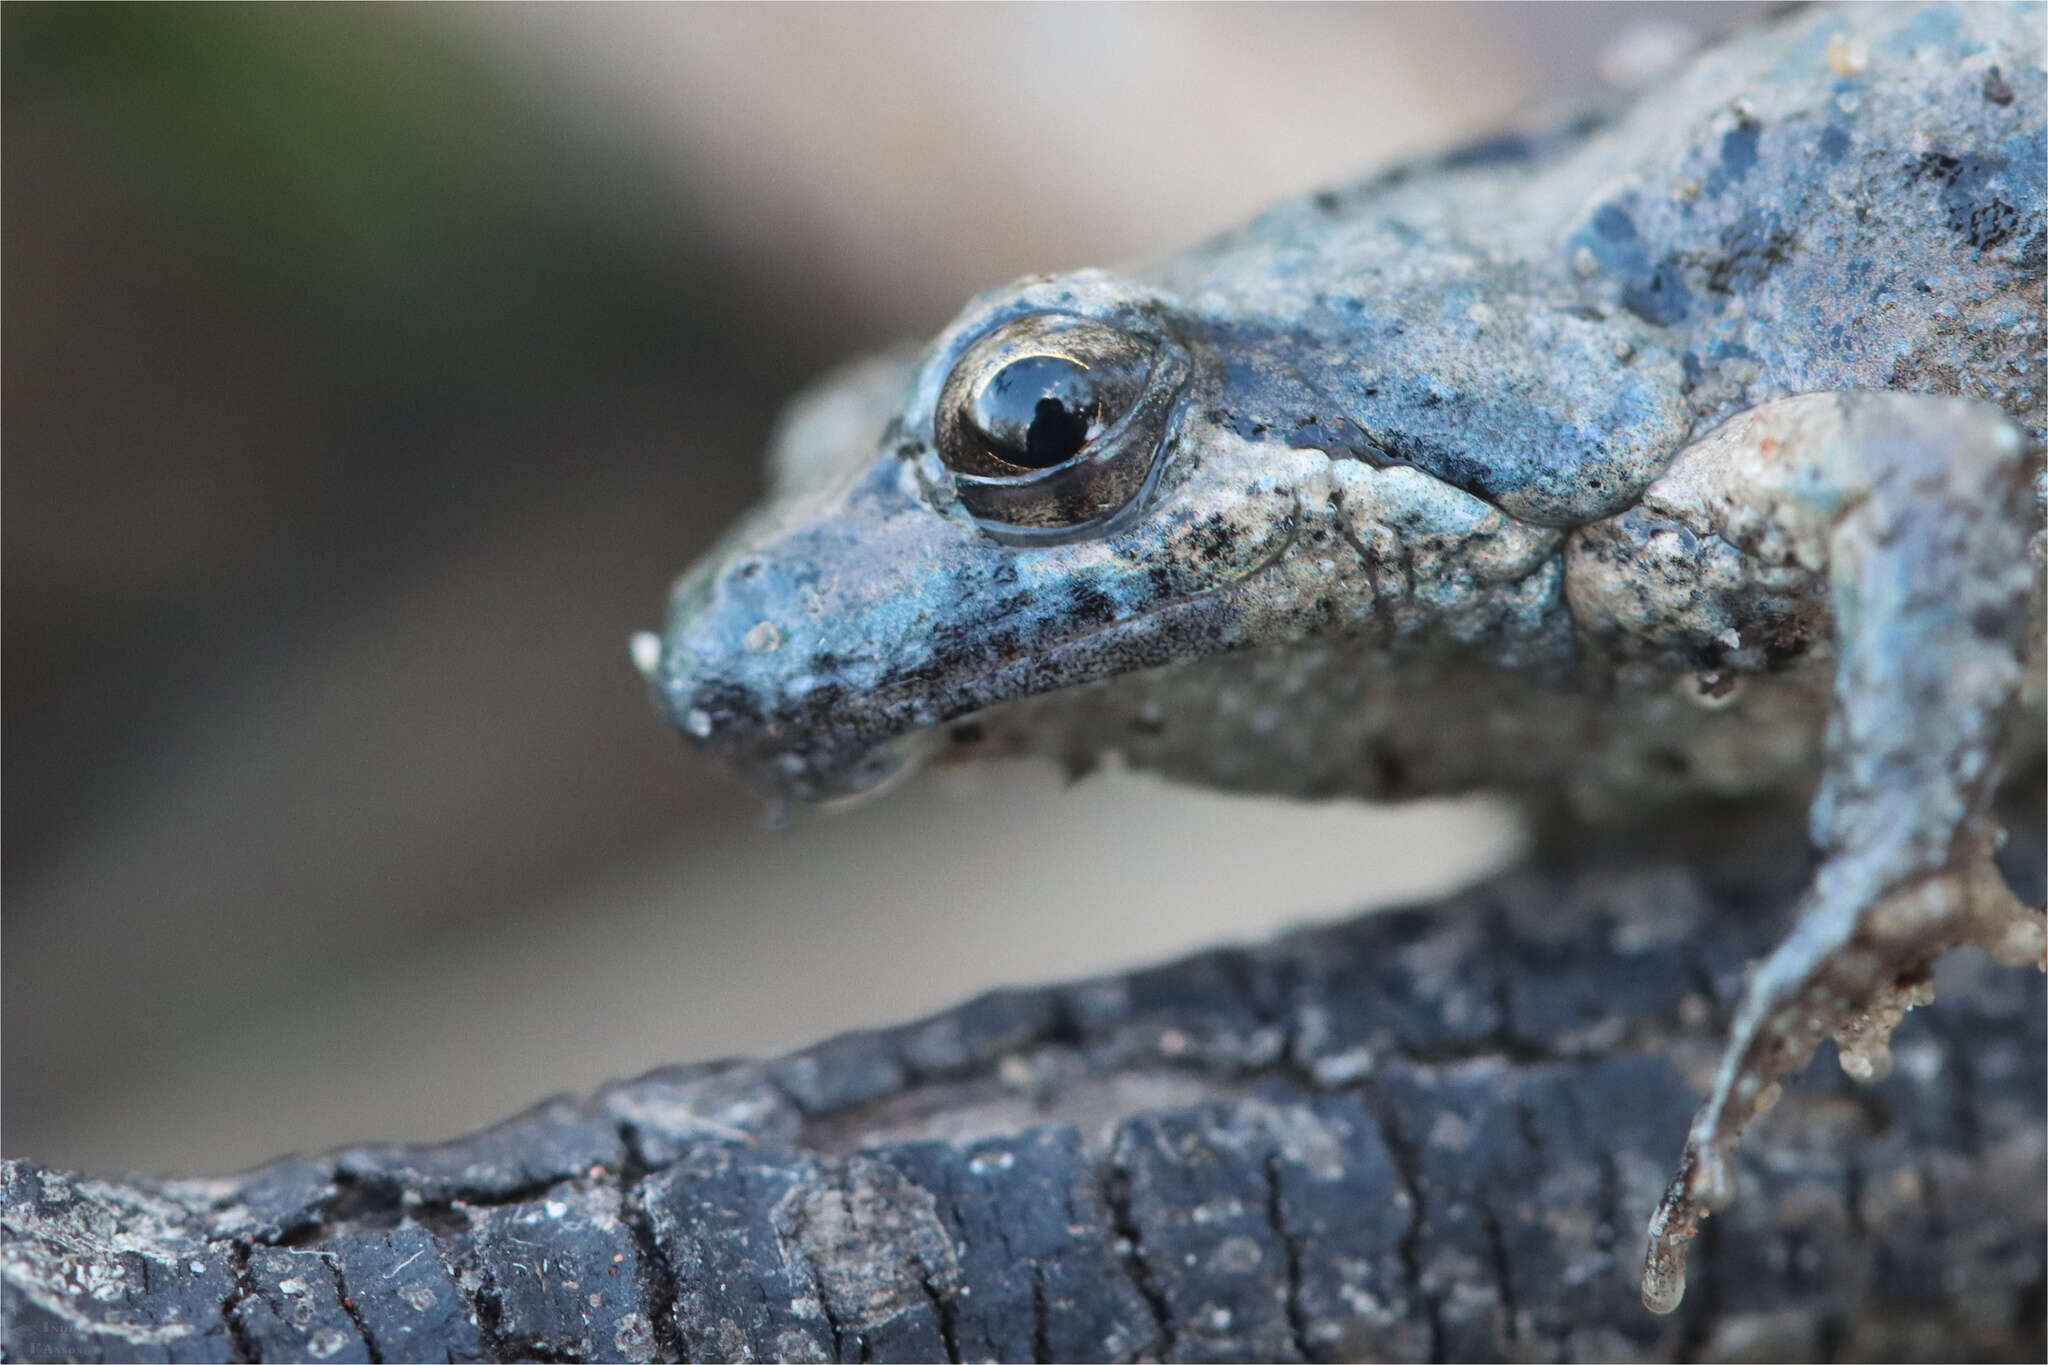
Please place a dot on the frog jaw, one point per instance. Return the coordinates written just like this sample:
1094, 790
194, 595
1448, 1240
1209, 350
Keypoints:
818, 646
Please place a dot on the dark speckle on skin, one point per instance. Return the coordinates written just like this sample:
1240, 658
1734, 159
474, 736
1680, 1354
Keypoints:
1588, 123
1613, 224
1995, 88
1976, 213
1834, 142
824, 697
1656, 294
1750, 248
1992, 622
1504, 149
1090, 606
1662, 299
1217, 535
1738, 148
1340, 437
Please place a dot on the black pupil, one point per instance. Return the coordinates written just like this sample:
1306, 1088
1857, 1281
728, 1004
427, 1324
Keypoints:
1035, 412
1055, 434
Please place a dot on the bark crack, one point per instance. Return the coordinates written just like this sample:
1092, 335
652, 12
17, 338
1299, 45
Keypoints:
1408, 1165
1290, 1245
1503, 1275
1041, 1334
348, 1306
943, 1309
245, 1289
1130, 1253
658, 1290
490, 1317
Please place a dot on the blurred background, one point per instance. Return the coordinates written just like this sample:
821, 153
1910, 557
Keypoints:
369, 371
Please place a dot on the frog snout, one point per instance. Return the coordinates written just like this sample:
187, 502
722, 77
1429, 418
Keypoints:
754, 681
783, 755
693, 693
806, 649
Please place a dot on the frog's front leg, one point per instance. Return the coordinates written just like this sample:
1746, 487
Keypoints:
1907, 521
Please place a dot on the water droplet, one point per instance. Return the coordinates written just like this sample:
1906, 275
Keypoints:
698, 722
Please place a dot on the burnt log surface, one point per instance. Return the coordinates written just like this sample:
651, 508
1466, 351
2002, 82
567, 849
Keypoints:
1432, 1133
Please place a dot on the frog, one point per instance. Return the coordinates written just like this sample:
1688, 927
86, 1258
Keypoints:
1655, 454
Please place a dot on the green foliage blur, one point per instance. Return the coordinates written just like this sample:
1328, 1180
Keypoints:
358, 165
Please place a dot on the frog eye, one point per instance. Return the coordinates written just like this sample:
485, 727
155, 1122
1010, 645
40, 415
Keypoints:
1032, 395
1053, 423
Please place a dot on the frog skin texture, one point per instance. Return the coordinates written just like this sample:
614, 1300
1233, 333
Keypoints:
1686, 451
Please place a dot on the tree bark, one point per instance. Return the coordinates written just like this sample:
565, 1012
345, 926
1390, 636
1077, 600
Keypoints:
1430, 1133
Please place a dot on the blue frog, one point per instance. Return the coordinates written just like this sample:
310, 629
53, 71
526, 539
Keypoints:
1685, 450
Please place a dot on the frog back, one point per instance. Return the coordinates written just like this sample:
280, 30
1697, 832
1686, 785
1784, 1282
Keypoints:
1844, 199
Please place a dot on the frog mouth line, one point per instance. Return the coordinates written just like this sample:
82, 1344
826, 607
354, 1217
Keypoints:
905, 748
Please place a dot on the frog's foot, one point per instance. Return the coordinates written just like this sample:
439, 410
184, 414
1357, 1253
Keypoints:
1846, 972
1903, 521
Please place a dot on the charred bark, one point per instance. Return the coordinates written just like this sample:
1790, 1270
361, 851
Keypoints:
1431, 1133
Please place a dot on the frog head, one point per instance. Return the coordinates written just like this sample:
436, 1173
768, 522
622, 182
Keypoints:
1085, 480
1049, 500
